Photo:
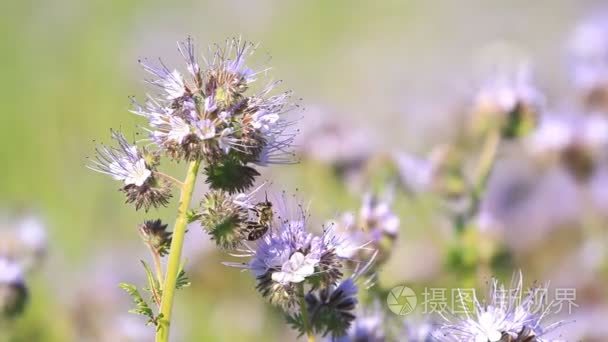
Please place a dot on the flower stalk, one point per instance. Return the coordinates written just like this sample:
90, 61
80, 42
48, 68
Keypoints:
174, 261
206, 116
486, 163
304, 312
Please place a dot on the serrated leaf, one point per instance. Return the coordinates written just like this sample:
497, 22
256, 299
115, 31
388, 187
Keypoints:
296, 323
153, 284
152, 281
141, 307
182, 279
193, 216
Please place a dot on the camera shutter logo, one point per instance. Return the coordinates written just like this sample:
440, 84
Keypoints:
401, 300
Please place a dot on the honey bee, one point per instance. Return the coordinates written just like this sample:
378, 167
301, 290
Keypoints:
264, 215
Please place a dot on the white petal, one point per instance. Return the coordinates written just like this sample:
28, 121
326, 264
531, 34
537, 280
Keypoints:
179, 130
174, 85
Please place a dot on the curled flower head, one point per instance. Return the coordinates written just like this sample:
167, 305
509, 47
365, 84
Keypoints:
376, 215
368, 326
332, 309
124, 163
135, 168
211, 115
588, 54
155, 235
13, 292
509, 315
508, 101
223, 219
578, 142
232, 220
419, 331
374, 229
285, 257
439, 173
230, 175
288, 256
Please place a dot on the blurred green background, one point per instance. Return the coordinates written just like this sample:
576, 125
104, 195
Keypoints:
68, 67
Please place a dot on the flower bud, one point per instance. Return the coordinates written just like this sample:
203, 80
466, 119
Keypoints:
155, 234
223, 219
230, 175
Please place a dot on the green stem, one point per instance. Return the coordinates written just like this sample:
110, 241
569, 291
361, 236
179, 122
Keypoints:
175, 253
482, 172
157, 266
486, 162
304, 313
484, 169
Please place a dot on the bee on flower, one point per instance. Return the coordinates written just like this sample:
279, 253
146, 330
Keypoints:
215, 118
288, 256
232, 220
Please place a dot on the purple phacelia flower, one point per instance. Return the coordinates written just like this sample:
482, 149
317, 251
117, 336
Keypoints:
211, 116
509, 315
136, 169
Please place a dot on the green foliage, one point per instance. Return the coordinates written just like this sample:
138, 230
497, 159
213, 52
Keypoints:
325, 319
193, 216
141, 306
182, 280
296, 322
230, 175
153, 284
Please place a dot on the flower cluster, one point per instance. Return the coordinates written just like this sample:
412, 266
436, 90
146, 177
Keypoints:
508, 316
290, 255
440, 172
589, 62
215, 116
298, 270
373, 230
208, 115
232, 220
577, 142
331, 309
509, 101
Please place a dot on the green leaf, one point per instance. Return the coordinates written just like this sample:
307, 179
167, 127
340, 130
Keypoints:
193, 216
296, 323
182, 279
153, 284
141, 307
